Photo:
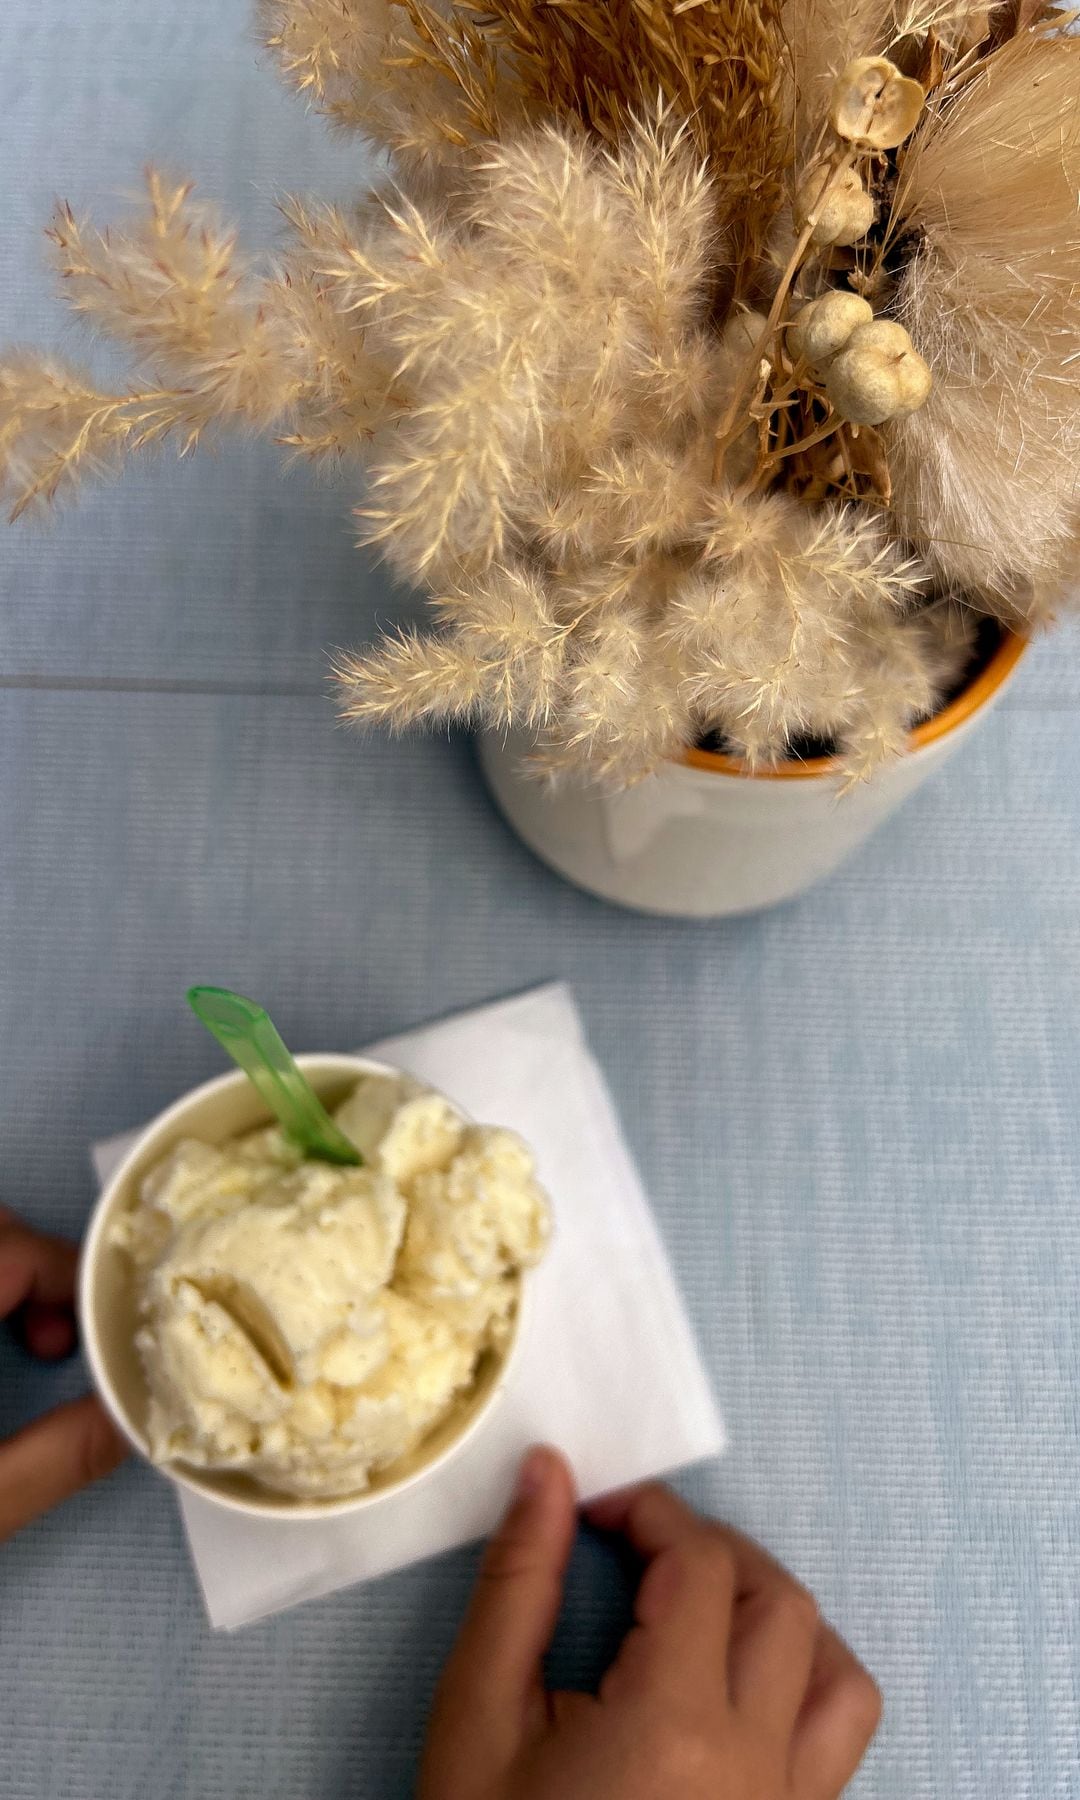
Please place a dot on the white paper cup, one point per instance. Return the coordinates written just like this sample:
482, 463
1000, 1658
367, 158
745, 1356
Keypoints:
220, 1110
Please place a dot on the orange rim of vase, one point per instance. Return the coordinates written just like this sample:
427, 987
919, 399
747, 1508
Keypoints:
967, 703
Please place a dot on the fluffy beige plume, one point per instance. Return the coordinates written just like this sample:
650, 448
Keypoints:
175, 289
410, 680
671, 204
348, 392
802, 623
533, 329
719, 65
527, 336
418, 78
500, 660
580, 662
511, 623
432, 79
626, 503
723, 66
532, 323
793, 623
986, 475
387, 259
648, 498
559, 340
216, 342
959, 25
622, 708
442, 486
56, 428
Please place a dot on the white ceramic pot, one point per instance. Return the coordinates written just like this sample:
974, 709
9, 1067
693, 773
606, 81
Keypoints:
703, 839
219, 1110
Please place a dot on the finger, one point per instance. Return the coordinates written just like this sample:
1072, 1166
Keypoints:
48, 1331
651, 1517
34, 1267
491, 1692
763, 1632
773, 1638
53, 1458
839, 1717
684, 1602
568, 1711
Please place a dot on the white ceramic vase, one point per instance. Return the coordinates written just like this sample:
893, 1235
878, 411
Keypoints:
703, 839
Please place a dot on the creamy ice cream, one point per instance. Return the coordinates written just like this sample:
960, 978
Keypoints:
309, 1325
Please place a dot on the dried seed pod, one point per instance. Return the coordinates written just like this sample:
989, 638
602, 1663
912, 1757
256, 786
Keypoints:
741, 331
848, 210
874, 104
738, 335
878, 375
821, 329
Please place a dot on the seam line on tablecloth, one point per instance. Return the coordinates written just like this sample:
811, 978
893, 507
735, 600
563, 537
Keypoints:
36, 683
138, 684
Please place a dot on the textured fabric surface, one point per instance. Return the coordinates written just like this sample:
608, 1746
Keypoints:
857, 1117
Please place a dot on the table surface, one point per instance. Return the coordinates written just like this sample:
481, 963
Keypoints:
857, 1116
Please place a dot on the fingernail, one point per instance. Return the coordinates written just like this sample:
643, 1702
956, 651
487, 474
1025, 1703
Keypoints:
533, 1473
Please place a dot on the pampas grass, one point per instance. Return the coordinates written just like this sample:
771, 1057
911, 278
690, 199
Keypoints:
406, 76
562, 339
987, 475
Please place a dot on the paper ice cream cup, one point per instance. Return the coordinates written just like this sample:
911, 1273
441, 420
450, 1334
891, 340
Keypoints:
108, 1306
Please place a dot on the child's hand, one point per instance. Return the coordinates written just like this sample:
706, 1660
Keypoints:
58, 1454
730, 1687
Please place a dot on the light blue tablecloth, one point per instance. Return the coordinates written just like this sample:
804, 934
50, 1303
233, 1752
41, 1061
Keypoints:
857, 1117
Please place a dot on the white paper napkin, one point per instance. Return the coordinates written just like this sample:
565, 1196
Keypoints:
609, 1370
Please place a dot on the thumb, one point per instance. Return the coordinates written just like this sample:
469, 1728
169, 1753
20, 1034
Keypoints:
491, 1686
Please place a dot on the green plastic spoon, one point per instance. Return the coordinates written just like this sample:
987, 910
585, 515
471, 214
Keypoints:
247, 1033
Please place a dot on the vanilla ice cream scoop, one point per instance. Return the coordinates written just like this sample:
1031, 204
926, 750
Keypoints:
309, 1324
473, 1218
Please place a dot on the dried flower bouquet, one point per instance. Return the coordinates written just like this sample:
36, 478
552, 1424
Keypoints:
715, 364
